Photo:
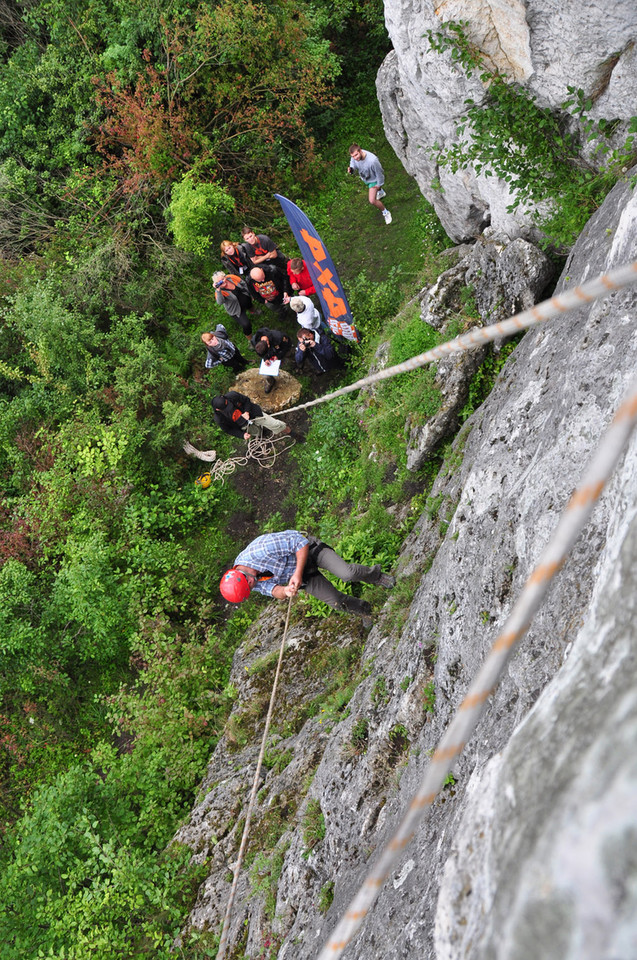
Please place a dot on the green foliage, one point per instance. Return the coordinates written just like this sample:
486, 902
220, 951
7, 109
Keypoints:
326, 896
79, 877
313, 824
360, 734
197, 214
429, 697
264, 877
528, 146
380, 693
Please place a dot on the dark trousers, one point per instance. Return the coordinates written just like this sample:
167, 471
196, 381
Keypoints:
236, 362
321, 588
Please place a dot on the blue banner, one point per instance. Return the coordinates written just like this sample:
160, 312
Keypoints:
322, 271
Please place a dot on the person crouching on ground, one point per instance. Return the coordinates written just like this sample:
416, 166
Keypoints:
270, 345
221, 349
280, 564
316, 348
238, 416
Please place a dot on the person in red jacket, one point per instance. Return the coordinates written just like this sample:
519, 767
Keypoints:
300, 279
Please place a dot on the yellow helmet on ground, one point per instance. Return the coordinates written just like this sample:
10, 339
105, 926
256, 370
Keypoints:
204, 481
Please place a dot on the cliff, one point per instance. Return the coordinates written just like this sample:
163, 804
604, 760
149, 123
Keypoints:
542, 46
531, 848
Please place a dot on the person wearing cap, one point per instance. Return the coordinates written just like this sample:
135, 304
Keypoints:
315, 347
238, 416
307, 315
280, 564
221, 349
232, 293
299, 277
370, 170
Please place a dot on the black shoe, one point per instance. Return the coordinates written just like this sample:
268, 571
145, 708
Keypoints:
386, 580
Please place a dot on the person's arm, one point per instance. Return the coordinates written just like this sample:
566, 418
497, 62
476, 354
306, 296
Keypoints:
266, 244
228, 426
297, 577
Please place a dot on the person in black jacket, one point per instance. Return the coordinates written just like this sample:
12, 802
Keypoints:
235, 258
237, 415
221, 349
270, 345
267, 285
315, 347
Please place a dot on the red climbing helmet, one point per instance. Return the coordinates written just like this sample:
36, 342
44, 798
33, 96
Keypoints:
234, 586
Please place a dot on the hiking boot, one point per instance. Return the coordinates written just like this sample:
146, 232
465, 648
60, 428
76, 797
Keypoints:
270, 385
386, 216
380, 194
386, 580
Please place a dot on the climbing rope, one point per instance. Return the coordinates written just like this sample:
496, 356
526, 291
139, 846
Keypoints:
223, 942
564, 303
263, 450
470, 710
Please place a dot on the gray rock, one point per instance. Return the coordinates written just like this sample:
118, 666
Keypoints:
542, 45
531, 852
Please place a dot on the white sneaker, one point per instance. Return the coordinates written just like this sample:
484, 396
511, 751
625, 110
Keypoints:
380, 194
387, 216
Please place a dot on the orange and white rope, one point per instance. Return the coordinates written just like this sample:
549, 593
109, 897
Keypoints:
547, 310
464, 722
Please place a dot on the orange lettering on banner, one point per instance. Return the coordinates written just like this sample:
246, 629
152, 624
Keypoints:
336, 305
315, 245
326, 279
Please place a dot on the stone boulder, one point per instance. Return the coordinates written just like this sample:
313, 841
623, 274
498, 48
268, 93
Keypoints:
286, 393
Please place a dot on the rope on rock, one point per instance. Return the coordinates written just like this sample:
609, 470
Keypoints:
564, 303
223, 942
463, 724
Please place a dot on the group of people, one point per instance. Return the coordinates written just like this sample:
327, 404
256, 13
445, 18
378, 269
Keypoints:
280, 564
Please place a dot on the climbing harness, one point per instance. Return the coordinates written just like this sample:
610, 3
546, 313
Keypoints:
463, 724
547, 310
223, 942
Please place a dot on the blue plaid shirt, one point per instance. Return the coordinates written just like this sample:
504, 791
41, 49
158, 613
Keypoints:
274, 553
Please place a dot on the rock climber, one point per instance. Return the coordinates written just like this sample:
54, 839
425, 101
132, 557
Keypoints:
280, 564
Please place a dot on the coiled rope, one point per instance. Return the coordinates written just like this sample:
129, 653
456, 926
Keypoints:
263, 450
223, 942
547, 310
463, 724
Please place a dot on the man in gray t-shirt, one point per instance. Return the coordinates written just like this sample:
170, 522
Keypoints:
371, 172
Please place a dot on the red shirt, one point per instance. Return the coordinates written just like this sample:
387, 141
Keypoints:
306, 287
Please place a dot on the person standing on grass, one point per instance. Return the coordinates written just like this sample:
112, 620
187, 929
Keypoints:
280, 564
221, 349
370, 170
300, 280
232, 293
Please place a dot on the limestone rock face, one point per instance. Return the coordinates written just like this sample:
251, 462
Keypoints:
502, 277
531, 851
544, 46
